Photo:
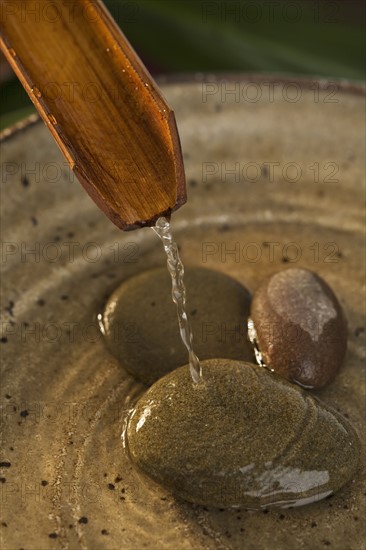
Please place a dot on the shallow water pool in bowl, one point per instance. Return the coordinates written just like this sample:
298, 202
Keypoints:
272, 184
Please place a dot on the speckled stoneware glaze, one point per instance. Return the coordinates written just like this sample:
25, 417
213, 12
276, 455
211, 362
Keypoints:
272, 183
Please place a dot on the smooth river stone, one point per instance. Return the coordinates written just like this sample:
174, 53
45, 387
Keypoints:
244, 437
301, 328
141, 326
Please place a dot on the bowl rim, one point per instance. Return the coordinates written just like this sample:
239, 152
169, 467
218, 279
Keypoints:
355, 88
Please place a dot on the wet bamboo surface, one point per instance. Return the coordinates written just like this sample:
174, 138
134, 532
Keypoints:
101, 105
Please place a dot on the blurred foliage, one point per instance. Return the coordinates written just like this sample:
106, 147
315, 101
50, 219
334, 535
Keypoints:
308, 37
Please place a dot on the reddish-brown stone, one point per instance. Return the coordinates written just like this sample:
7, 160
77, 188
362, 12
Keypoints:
301, 329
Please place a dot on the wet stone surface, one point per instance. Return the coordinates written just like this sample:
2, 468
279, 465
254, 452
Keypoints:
141, 326
243, 437
300, 327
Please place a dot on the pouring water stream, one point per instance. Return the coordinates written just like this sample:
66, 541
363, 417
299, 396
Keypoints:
176, 270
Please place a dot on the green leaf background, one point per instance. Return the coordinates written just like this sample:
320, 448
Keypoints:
299, 37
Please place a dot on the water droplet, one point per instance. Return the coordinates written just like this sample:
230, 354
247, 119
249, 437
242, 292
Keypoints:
12, 52
146, 84
52, 120
163, 113
100, 323
35, 91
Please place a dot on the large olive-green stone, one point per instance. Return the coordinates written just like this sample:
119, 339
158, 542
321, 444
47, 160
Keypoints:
243, 436
141, 325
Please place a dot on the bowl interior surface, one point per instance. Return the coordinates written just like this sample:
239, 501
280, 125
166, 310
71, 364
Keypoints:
275, 180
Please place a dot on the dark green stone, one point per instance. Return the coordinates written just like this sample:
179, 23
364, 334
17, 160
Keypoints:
141, 326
